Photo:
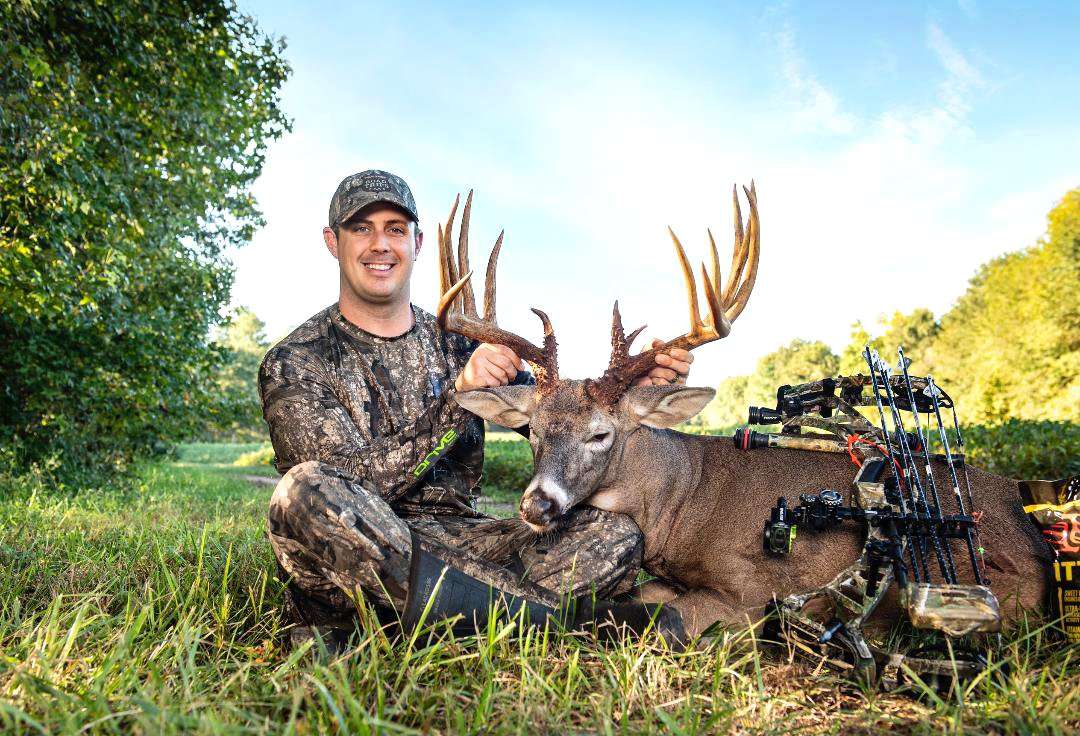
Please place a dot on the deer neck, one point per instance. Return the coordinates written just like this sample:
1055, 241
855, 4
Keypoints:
650, 480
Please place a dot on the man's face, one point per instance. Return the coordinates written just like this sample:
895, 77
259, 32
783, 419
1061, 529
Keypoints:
375, 250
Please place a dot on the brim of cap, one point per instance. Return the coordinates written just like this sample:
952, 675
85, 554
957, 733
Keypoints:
381, 199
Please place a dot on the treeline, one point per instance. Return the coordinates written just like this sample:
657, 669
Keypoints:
1008, 349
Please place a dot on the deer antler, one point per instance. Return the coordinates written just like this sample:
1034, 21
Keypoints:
459, 315
725, 305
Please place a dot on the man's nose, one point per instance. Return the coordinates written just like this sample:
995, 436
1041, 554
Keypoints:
381, 244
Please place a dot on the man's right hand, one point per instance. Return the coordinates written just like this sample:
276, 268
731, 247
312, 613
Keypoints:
488, 366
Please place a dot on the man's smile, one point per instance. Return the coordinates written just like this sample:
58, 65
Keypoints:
379, 267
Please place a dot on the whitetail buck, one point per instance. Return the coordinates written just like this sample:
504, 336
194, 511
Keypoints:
699, 501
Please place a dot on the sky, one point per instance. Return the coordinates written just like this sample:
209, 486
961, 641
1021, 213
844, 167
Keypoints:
895, 148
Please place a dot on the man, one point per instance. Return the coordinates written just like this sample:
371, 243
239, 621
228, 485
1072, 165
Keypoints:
381, 466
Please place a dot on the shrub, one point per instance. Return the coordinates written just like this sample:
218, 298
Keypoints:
261, 456
507, 466
1025, 449
130, 134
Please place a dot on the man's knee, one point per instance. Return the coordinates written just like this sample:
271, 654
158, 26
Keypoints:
331, 513
298, 481
306, 478
314, 493
292, 500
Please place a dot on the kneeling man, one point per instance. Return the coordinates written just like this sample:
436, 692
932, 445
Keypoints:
381, 466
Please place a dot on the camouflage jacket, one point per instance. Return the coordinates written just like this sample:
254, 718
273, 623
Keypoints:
379, 408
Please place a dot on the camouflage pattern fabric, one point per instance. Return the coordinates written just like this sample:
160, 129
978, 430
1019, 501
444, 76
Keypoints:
376, 407
371, 444
336, 539
356, 192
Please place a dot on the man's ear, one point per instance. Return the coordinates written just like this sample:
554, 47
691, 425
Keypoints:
665, 406
331, 241
507, 406
419, 242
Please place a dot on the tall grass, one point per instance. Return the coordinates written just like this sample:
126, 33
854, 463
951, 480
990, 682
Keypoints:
152, 608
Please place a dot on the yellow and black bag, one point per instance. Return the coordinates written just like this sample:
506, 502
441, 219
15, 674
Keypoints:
1054, 507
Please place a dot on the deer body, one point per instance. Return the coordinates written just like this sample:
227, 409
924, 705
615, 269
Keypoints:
700, 502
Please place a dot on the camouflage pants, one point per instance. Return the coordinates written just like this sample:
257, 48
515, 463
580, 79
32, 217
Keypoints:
336, 539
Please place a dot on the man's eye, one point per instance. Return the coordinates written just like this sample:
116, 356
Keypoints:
397, 231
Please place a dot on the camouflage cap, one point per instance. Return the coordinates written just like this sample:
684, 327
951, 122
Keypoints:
359, 190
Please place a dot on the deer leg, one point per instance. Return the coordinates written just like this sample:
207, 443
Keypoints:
656, 591
701, 608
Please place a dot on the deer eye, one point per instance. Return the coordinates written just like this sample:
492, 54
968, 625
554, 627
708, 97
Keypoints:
599, 437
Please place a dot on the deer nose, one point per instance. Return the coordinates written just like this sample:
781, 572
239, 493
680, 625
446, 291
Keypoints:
538, 508
543, 505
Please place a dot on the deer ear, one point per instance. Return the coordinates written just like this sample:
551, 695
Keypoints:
665, 406
507, 406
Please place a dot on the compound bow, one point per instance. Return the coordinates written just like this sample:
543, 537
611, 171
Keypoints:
896, 500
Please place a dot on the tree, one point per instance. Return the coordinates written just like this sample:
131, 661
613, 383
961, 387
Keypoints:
1010, 347
851, 357
797, 362
728, 407
236, 411
915, 332
130, 133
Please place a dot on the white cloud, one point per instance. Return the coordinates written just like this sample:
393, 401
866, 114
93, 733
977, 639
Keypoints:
962, 78
815, 108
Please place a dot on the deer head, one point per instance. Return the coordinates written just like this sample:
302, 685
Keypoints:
579, 429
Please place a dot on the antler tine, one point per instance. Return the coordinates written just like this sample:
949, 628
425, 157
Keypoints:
446, 256
459, 315
619, 348
620, 342
633, 336
447, 312
447, 267
753, 237
489, 280
715, 258
738, 252
468, 301
717, 321
691, 287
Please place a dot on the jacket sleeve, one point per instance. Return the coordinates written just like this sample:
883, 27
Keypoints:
308, 422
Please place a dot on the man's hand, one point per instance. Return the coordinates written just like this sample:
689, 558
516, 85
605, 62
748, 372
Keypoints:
673, 368
488, 366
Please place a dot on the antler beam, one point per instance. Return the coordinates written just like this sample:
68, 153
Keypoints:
724, 305
459, 314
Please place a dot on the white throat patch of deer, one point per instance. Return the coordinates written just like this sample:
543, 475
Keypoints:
699, 501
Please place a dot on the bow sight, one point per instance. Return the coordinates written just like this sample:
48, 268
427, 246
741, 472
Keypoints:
909, 536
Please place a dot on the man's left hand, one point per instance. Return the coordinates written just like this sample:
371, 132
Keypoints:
670, 368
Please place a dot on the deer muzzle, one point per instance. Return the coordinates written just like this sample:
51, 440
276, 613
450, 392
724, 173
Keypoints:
543, 502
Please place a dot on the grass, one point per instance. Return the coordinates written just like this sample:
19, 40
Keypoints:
151, 607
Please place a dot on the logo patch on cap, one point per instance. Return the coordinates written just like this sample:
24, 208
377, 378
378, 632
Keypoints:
375, 184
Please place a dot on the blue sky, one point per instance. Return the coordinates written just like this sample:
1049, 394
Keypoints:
885, 139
